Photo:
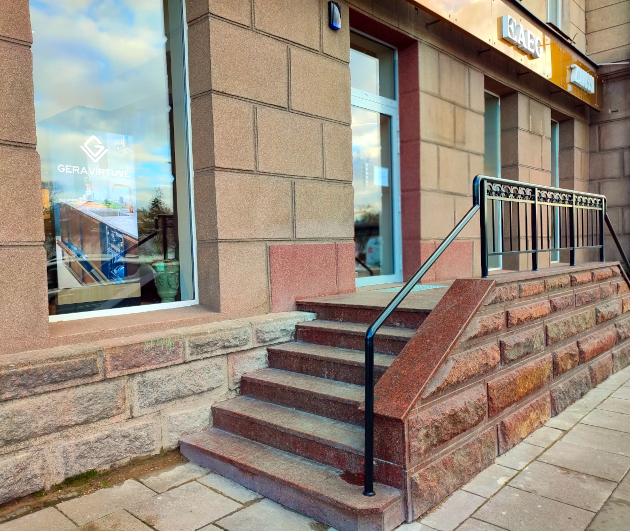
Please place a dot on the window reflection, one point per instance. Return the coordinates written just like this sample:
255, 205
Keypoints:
110, 111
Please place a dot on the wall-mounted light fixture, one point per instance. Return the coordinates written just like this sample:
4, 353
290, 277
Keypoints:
334, 16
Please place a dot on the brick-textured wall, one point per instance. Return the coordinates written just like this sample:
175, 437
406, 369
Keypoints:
608, 30
67, 410
24, 309
272, 144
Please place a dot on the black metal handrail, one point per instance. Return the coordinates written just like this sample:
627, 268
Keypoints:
512, 192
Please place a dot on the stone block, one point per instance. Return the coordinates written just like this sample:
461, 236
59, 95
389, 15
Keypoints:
622, 287
248, 64
602, 274
517, 345
199, 67
468, 125
427, 68
437, 120
514, 428
27, 418
184, 420
570, 326
484, 325
289, 144
338, 151
278, 327
477, 99
436, 225
432, 484
524, 314
285, 19
32, 373
568, 391
565, 358
563, 302
233, 123
595, 344
509, 389
606, 165
117, 520
240, 218
15, 21
614, 134
623, 329
621, 358
453, 77
106, 447
625, 305
429, 166
607, 290
138, 354
214, 339
587, 296
331, 216
577, 279
504, 293
337, 43
616, 192
451, 177
601, 369
235, 10
529, 289
320, 85
557, 282
153, 390
240, 363
22, 474
435, 425
458, 368
607, 311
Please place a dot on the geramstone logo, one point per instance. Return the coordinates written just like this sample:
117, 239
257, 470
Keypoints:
95, 153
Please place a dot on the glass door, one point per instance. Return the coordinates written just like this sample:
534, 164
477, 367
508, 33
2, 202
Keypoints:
376, 179
492, 168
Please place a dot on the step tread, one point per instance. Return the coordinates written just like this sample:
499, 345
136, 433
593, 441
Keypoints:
321, 429
319, 480
389, 332
334, 389
343, 355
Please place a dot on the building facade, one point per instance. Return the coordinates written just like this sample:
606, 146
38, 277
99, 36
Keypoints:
175, 175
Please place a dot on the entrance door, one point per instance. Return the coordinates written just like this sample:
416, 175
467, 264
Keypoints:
376, 177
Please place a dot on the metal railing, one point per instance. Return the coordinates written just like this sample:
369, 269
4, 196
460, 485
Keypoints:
553, 220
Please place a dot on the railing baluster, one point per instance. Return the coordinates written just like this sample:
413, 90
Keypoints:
535, 231
572, 231
484, 229
511, 232
602, 217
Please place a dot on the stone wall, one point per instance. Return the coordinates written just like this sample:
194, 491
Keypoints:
608, 30
537, 343
67, 410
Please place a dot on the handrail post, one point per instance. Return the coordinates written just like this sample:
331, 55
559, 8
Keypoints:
602, 216
572, 231
535, 231
368, 480
484, 229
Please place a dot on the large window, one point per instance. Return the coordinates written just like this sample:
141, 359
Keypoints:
492, 168
111, 111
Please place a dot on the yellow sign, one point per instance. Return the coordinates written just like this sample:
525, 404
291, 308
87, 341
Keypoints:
522, 38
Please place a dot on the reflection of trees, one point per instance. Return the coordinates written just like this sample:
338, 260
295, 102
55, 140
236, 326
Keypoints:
55, 191
146, 223
366, 214
366, 224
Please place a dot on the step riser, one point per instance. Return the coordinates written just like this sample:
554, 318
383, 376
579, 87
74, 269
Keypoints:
303, 401
400, 318
288, 442
382, 345
322, 368
295, 498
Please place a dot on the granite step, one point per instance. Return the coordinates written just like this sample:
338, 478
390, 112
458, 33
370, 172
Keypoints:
388, 340
361, 313
311, 488
328, 398
332, 363
318, 438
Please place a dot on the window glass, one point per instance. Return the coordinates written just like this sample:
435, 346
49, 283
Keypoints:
555, 181
554, 13
372, 67
492, 168
110, 107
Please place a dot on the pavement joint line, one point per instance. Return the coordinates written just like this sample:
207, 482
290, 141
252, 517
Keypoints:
244, 504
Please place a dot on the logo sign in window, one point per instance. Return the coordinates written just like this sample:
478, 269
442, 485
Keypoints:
521, 37
97, 151
582, 79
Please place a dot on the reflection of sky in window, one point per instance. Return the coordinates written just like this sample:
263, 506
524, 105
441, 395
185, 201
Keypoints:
366, 150
100, 66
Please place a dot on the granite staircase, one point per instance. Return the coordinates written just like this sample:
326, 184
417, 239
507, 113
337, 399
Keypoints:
295, 434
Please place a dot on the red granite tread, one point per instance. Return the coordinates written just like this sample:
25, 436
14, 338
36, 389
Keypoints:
357, 329
251, 458
340, 355
321, 439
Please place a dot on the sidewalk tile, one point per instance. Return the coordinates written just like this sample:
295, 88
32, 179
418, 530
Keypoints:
184, 508
518, 510
566, 486
608, 420
544, 436
453, 511
489, 481
587, 460
210, 527
167, 479
614, 442
229, 488
622, 392
45, 520
106, 501
614, 516
566, 420
119, 521
622, 492
519, 456
616, 405
266, 515
473, 524
413, 526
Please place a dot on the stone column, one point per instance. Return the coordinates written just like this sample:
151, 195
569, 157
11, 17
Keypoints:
23, 284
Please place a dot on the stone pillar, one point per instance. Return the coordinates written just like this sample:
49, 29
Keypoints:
23, 284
